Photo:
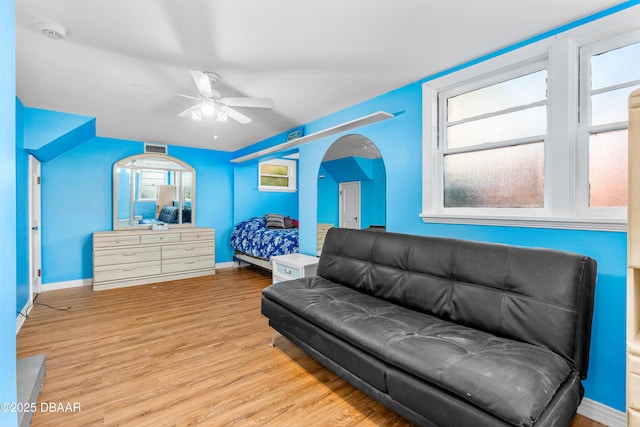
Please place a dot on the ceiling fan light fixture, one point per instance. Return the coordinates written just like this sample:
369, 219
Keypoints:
208, 109
222, 115
196, 115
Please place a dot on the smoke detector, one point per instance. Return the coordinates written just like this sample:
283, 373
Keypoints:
53, 30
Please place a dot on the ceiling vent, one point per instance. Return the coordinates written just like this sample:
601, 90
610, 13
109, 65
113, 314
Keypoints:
155, 149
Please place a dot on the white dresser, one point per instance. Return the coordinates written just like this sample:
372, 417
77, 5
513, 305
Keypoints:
322, 230
137, 257
293, 266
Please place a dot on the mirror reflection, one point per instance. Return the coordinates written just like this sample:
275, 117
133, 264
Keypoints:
351, 186
153, 190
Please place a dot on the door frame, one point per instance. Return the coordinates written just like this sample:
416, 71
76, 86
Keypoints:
35, 237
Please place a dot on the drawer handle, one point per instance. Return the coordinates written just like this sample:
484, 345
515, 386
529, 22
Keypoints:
287, 270
117, 240
189, 249
129, 254
190, 262
129, 269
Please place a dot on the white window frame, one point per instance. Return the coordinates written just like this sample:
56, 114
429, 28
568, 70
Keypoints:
585, 129
291, 165
140, 185
565, 166
441, 151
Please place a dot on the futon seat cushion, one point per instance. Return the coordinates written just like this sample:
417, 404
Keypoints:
511, 380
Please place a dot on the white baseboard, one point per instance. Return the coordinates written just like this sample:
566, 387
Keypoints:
89, 282
66, 285
230, 264
20, 319
602, 413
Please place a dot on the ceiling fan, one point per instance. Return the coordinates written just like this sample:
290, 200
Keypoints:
211, 104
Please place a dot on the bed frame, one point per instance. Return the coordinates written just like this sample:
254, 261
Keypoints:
258, 262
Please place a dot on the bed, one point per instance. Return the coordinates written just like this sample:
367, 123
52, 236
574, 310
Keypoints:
256, 244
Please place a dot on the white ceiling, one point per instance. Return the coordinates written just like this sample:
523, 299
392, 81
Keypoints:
311, 57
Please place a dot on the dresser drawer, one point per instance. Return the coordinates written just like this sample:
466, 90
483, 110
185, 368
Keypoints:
287, 272
196, 235
159, 238
187, 264
276, 279
127, 271
633, 362
126, 255
633, 397
115, 240
187, 250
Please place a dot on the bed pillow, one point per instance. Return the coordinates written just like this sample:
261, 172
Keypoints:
288, 222
275, 221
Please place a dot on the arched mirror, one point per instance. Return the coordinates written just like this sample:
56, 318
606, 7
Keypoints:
153, 189
351, 186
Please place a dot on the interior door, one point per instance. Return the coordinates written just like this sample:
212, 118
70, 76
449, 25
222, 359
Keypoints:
350, 204
35, 269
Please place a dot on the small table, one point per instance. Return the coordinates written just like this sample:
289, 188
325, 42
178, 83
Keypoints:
293, 266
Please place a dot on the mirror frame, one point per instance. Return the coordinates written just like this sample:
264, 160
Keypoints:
125, 163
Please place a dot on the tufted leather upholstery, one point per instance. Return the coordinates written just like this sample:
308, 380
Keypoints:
540, 296
499, 328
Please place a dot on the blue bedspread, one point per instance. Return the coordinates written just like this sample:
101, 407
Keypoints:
253, 238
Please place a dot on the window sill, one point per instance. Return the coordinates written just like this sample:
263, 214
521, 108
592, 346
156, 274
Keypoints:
592, 224
278, 190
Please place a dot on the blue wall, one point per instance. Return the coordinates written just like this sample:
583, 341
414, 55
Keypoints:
373, 195
44, 126
370, 173
77, 200
328, 198
249, 202
77, 197
22, 213
8, 224
400, 143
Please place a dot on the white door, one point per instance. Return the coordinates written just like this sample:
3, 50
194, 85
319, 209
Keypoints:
350, 204
35, 270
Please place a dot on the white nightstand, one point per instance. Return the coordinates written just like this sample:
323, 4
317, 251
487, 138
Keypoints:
293, 266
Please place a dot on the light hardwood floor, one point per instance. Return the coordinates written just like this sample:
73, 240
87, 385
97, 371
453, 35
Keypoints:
182, 353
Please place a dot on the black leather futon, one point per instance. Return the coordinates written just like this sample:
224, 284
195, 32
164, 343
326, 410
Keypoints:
446, 332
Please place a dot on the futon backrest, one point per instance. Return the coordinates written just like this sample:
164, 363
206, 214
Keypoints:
539, 296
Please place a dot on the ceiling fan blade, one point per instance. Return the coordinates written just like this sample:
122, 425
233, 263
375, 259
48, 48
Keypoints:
203, 83
236, 115
166, 90
192, 113
245, 101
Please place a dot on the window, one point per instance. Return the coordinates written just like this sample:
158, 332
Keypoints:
187, 185
537, 136
611, 71
492, 142
148, 183
277, 175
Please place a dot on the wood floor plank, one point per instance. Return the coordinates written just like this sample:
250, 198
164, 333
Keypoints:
184, 353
